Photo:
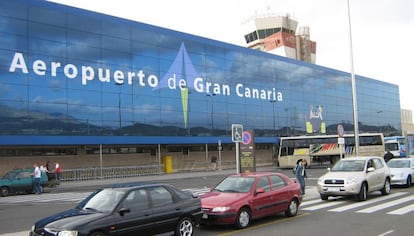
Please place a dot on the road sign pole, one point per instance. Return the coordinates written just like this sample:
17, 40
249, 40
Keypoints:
238, 157
236, 136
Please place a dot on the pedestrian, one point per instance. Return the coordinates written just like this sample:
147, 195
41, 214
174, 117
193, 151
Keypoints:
214, 163
388, 155
37, 174
47, 166
58, 171
43, 169
300, 174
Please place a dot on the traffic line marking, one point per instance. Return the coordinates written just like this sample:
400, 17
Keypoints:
402, 211
323, 205
386, 205
360, 204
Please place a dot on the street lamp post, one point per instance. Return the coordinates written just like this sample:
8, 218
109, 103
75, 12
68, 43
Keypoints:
381, 127
354, 98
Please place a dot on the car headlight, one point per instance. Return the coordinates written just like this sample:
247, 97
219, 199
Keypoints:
220, 209
320, 180
351, 180
68, 233
62, 232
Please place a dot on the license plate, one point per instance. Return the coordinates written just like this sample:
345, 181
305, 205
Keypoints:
334, 189
205, 216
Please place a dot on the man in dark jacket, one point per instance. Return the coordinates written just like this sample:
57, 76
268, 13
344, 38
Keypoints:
300, 174
388, 156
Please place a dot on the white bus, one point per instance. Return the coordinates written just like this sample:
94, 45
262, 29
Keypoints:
323, 148
397, 145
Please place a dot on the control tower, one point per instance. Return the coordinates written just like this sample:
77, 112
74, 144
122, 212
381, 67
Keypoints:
279, 35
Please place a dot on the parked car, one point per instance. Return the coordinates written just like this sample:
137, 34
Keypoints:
355, 176
402, 171
240, 198
19, 181
127, 209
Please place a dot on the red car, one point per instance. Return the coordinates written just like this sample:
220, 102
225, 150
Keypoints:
240, 198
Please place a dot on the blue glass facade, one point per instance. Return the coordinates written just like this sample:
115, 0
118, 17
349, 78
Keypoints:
70, 76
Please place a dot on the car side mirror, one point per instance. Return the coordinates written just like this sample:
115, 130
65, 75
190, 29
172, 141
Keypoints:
370, 169
123, 210
259, 190
191, 193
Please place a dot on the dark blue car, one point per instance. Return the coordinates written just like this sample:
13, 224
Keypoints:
126, 209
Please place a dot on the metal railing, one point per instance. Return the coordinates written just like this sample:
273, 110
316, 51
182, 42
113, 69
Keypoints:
92, 173
192, 165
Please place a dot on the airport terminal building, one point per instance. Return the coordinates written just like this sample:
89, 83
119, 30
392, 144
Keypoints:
74, 81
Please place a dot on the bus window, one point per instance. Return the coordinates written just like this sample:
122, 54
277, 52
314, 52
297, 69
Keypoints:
392, 146
322, 148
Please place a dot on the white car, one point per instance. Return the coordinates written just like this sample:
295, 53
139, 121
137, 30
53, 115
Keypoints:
356, 176
402, 171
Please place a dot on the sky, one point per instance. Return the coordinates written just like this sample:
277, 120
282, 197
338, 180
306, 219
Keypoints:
381, 30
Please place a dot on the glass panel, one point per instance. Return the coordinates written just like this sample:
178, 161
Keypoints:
47, 16
77, 21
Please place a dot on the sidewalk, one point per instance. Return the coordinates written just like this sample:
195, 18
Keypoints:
311, 191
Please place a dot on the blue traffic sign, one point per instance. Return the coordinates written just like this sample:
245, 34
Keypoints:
236, 133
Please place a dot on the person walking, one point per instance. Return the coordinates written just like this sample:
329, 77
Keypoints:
58, 171
388, 155
300, 174
37, 174
47, 166
214, 163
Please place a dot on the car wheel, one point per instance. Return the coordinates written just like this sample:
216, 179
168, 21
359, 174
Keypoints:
4, 191
408, 184
97, 233
292, 208
324, 197
363, 192
387, 187
185, 227
243, 218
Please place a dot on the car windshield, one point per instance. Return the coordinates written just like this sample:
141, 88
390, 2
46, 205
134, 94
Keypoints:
8, 175
399, 163
349, 165
235, 184
105, 200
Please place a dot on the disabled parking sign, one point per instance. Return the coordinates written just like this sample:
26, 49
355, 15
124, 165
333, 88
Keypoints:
237, 133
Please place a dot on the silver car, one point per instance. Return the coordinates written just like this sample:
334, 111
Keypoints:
356, 176
402, 171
